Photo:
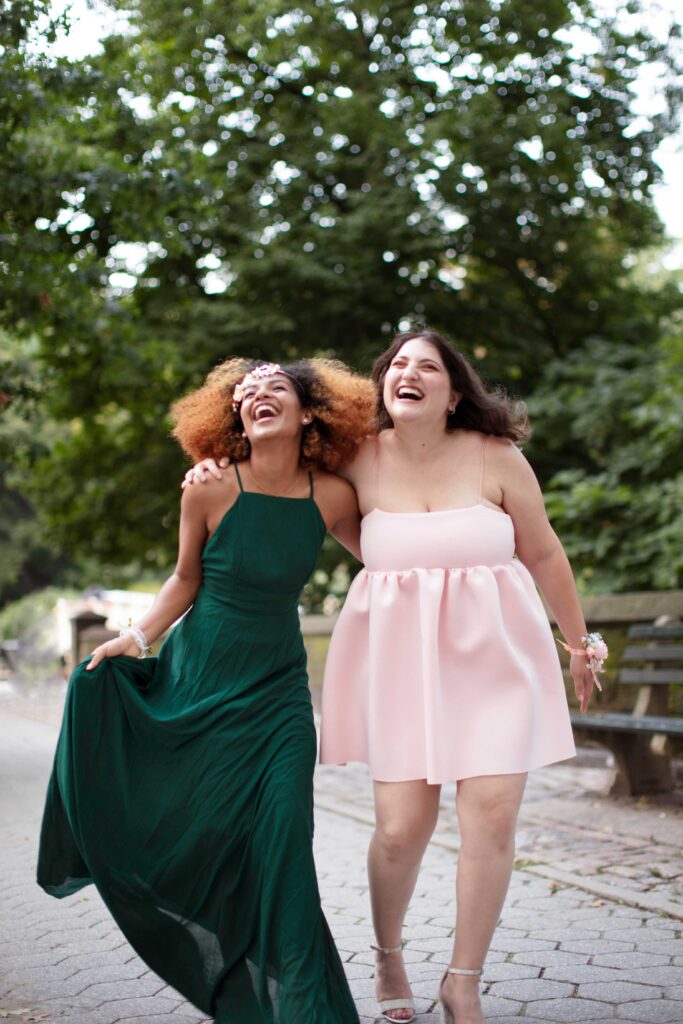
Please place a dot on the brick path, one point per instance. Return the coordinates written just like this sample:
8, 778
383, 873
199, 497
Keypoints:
587, 933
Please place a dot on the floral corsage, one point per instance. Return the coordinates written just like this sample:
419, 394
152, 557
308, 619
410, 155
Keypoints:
595, 649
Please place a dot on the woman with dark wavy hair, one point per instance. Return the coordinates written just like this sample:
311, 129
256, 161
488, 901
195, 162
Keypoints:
442, 666
183, 783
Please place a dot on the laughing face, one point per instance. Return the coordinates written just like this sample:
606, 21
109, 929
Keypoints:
270, 408
417, 385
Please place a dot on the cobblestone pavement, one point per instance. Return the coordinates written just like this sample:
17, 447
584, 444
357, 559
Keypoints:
592, 929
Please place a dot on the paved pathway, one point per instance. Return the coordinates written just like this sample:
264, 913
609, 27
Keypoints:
592, 930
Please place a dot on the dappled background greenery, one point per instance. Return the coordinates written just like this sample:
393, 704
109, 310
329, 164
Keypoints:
277, 180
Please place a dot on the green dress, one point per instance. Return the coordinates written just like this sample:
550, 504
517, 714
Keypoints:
183, 786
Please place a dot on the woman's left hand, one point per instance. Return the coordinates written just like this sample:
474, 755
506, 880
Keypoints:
583, 680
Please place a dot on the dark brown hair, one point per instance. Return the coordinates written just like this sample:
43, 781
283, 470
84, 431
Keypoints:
340, 401
491, 412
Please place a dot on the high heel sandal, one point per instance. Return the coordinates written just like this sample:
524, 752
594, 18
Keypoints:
387, 1005
446, 1014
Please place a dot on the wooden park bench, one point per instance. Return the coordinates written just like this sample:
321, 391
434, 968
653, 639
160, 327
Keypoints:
644, 740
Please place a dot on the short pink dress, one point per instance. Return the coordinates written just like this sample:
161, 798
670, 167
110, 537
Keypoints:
442, 665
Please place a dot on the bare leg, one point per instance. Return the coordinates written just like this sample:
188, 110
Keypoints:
405, 815
487, 813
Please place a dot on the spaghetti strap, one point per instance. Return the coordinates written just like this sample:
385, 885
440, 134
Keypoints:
239, 478
481, 474
310, 480
377, 471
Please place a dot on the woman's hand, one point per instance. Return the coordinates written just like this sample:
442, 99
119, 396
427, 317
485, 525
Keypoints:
201, 471
112, 649
583, 679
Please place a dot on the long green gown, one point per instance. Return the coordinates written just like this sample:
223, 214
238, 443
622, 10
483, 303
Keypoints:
183, 786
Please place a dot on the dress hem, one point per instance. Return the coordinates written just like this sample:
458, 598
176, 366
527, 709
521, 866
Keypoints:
452, 776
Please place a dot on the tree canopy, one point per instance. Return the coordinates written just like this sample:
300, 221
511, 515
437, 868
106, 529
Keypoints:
272, 180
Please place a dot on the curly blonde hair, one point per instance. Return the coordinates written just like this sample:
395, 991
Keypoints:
341, 402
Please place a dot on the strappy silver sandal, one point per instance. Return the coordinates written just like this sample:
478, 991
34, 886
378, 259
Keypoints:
446, 1015
387, 1006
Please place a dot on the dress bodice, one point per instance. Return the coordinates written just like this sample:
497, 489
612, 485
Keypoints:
456, 538
262, 552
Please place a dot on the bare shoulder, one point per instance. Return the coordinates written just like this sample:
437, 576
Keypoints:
364, 458
212, 493
335, 498
332, 487
367, 449
504, 455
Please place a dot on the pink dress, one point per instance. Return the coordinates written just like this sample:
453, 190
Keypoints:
442, 665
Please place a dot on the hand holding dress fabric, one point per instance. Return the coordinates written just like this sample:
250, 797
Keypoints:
113, 649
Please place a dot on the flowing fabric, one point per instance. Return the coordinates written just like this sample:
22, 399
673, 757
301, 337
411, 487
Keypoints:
442, 664
182, 786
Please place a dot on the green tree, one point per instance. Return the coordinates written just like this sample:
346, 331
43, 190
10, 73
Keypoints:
271, 180
618, 512
28, 562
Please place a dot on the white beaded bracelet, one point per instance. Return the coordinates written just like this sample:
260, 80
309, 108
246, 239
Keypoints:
140, 639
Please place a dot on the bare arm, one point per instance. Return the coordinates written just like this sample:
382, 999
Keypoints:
539, 548
347, 531
338, 506
180, 589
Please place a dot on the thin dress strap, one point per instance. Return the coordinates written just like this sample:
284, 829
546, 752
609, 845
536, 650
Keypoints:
377, 471
481, 474
310, 480
239, 478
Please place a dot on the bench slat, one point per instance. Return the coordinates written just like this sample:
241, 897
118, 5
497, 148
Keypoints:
644, 631
654, 652
622, 722
649, 676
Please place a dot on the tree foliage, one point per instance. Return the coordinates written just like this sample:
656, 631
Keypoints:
618, 510
272, 180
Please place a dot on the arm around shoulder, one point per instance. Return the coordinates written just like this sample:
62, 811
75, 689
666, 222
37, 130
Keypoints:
339, 509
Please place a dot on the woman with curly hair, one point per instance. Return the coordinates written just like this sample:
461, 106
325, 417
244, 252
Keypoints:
442, 666
182, 784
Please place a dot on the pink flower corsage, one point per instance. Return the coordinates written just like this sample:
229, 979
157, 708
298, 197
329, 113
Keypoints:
595, 649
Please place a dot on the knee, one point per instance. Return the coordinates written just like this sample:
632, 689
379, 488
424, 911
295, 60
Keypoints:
491, 827
400, 837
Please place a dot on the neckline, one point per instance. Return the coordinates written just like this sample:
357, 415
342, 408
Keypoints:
277, 497
259, 490
439, 511
309, 499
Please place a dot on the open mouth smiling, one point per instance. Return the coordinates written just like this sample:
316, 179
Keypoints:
410, 393
264, 412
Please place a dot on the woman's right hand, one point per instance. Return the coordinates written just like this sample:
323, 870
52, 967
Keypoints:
112, 649
583, 679
201, 471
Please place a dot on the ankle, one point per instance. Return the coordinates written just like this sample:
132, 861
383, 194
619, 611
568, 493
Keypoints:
464, 986
460, 984
383, 951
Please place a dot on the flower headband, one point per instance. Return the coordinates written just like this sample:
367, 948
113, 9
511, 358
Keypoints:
263, 370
